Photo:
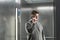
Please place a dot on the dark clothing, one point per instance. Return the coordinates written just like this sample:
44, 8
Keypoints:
34, 31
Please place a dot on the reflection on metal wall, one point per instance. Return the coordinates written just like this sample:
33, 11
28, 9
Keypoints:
7, 19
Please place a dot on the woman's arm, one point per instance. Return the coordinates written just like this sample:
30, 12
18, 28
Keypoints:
29, 28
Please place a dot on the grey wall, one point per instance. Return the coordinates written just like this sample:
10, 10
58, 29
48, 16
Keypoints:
7, 19
7, 23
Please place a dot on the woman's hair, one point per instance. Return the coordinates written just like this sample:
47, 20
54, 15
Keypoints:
34, 12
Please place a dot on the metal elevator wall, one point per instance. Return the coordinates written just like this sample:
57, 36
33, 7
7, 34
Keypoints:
7, 21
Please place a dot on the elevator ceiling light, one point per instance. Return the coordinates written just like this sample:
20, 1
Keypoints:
45, 8
26, 9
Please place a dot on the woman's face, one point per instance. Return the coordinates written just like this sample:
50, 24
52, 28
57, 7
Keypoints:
35, 18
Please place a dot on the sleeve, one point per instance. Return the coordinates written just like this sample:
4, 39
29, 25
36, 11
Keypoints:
28, 28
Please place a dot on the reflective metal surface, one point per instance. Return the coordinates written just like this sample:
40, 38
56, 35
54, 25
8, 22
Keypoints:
8, 17
46, 10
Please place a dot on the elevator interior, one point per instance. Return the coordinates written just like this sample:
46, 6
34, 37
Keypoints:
8, 17
46, 9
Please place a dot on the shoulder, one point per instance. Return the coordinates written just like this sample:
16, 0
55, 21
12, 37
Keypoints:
40, 25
